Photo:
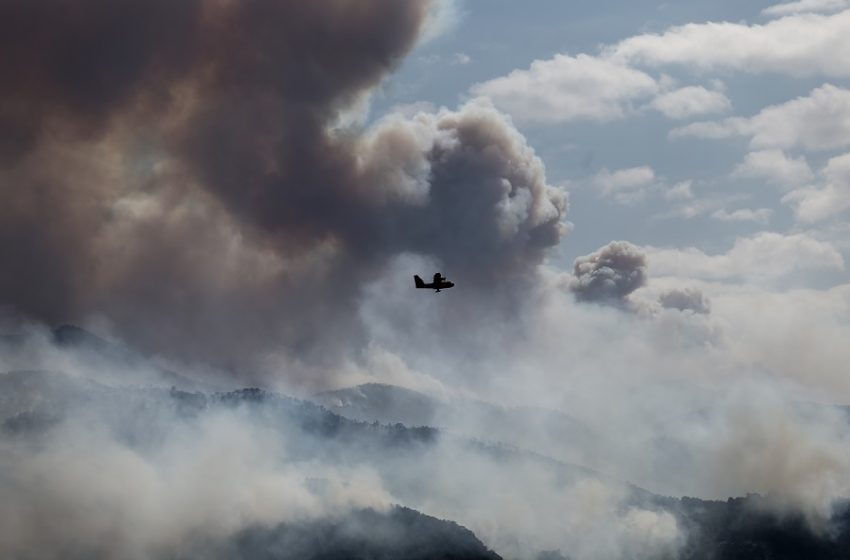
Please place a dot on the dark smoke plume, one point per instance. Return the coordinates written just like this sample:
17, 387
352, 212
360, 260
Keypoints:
181, 171
610, 274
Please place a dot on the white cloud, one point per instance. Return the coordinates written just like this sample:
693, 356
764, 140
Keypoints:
693, 207
626, 186
819, 121
567, 88
689, 101
711, 130
764, 256
410, 110
635, 184
680, 191
759, 216
775, 167
605, 87
803, 6
817, 203
800, 45
836, 232
443, 18
461, 59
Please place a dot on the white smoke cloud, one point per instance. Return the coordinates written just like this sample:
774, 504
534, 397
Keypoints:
83, 487
609, 274
687, 299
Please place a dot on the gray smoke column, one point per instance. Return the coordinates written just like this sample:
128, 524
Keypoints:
685, 299
610, 274
464, 187
181, 171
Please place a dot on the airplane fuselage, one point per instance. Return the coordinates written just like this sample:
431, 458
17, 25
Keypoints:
439, 283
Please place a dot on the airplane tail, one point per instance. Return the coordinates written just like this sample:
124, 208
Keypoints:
419, 282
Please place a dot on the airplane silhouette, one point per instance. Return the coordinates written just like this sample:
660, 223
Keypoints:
439, 283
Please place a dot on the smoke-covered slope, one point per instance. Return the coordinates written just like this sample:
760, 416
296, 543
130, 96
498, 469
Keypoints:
400, 534
98, 358
321, 499
749, 528
384, 403
36, 405
155, 472
541, 430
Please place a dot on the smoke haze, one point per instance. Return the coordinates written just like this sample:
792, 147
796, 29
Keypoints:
181, 174
187, 181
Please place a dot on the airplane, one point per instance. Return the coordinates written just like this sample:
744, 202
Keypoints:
439, 283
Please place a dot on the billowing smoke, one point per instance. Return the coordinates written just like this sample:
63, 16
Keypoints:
89, 492
610, 274
102, 469
183, 173
186, 176
685, 299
